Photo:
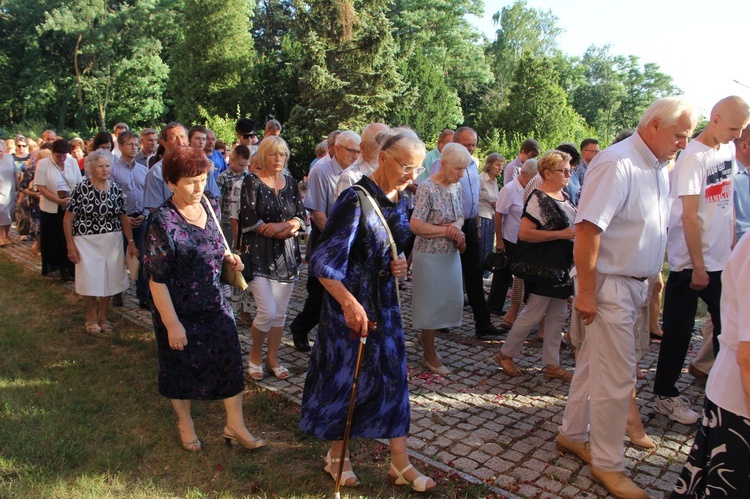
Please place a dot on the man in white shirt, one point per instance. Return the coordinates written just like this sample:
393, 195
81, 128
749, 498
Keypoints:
701, 236
704, 361
620, 242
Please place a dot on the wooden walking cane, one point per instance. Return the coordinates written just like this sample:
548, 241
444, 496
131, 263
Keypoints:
347, 429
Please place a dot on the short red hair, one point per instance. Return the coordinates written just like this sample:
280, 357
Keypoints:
184, 162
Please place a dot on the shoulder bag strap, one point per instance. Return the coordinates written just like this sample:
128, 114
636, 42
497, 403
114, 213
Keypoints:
218, 226
362, 193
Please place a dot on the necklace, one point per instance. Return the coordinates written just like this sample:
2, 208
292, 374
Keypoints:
192, 220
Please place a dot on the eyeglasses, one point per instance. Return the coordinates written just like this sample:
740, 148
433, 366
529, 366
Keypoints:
349, 150
565, 171
408, 170
248, 135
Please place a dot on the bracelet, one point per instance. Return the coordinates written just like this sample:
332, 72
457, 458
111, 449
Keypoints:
131, 240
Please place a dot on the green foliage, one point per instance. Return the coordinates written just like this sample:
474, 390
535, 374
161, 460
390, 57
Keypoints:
439, 30
213, 63
315, 66
521, 31
611, 92
223, 126
275, 73
348, 71
108, 54
427, 104
538, 106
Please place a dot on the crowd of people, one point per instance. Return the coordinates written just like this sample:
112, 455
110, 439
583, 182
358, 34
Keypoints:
572, 234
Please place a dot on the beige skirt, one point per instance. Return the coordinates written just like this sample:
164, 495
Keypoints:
101, 271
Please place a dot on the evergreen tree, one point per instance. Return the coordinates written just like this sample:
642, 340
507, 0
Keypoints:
213, 62
275, 73
348, 70
538, 107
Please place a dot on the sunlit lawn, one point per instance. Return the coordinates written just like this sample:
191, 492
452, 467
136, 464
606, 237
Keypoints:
81, 417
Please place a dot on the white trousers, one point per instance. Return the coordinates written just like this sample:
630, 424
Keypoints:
271, 301
554, 311
605, 372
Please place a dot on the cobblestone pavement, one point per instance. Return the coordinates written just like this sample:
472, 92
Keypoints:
477, 421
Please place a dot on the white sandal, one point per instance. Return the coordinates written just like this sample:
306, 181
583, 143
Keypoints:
255, 371
280, 372
418, 485
345, 476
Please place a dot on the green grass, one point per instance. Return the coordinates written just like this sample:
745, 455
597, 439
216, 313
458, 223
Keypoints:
81, 417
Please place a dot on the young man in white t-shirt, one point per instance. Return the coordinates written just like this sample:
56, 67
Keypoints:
699, 242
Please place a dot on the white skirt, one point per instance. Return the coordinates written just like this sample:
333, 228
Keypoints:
101, 271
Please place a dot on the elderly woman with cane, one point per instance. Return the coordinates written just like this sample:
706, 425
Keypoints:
358, 268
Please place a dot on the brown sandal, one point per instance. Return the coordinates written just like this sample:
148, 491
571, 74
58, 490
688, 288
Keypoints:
105, 326
507, 365
557, 372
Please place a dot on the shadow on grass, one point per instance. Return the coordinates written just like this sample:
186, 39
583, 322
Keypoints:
81, 417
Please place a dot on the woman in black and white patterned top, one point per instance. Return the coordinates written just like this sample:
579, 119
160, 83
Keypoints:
94, 223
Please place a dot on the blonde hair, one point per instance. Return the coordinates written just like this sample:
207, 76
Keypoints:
550, 160
271, 143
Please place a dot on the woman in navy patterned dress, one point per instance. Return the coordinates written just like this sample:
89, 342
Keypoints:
353, 262
199, 351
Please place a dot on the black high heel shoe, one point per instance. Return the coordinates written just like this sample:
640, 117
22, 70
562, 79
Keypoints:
253, 443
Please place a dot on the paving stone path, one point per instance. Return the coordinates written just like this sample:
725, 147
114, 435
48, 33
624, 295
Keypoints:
480, 423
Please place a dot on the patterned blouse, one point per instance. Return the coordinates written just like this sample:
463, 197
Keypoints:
437, 205
96, 212
276, 259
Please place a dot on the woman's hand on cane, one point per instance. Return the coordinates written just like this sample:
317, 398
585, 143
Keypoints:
355, 316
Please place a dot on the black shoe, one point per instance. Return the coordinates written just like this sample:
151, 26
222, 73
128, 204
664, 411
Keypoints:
65, 276
117, 300
444, 330
301, 343
488, 332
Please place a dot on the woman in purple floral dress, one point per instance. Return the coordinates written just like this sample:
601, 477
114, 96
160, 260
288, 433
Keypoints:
199, 351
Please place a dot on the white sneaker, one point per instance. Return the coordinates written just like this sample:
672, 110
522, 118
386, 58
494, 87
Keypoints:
677, 409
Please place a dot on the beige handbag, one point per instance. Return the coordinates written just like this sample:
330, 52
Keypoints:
228, 274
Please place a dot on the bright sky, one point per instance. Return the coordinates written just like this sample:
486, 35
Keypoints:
698, 43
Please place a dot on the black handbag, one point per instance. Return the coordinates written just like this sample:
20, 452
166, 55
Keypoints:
545, 263
495, 261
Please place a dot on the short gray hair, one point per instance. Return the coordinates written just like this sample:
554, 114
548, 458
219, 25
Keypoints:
93, 157
530, 167
668, 110
455, 154
348, 137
